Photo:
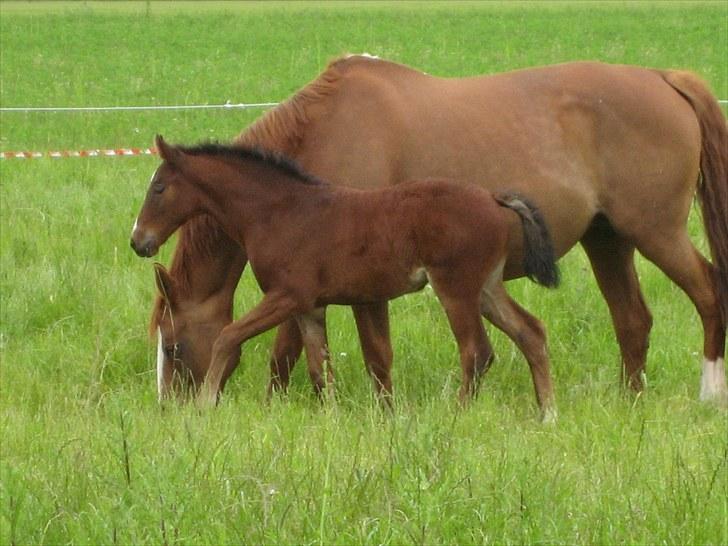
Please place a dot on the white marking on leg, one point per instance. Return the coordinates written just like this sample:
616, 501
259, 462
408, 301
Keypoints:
161, 388
713, 384
550, 415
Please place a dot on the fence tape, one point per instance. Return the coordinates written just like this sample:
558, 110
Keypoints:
79, 153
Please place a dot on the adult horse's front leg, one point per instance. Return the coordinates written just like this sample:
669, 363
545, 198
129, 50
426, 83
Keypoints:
273, 309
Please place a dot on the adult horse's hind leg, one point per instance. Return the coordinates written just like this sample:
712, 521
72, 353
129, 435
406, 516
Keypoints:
372, 323
313, 332
612, 259
528, 334
676, 256
286, 351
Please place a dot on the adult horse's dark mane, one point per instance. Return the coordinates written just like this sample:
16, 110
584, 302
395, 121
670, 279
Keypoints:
282, 128
279, 130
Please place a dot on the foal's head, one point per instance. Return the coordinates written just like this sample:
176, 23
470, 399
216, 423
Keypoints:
170, 201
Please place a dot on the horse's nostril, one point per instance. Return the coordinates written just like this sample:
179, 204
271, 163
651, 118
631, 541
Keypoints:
142, 250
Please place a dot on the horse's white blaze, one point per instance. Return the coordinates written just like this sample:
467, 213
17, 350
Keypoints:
160, 364
713, 382
136, 222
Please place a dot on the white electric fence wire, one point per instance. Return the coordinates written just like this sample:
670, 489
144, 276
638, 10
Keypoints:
226, 106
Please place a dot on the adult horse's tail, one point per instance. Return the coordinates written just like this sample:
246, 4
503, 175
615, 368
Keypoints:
713, 186
539, 259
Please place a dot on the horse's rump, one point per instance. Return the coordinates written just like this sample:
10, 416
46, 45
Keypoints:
713, 187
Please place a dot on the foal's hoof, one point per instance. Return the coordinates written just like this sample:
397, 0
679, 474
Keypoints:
549, 415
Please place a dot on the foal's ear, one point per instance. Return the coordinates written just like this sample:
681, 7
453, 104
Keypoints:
165, 283
167, 152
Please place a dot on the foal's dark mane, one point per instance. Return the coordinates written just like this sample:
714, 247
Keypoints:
280, 130
270, 158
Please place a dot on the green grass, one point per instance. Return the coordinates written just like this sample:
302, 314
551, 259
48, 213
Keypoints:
87, 455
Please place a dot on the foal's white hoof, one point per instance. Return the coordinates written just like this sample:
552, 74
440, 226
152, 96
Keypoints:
549, 416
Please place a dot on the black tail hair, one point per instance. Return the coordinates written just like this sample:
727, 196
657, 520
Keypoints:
539, 260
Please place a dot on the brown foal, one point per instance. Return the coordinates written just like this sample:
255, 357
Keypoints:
376, 245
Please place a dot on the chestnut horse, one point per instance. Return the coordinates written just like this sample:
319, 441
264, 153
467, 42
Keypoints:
612, 155
375, 245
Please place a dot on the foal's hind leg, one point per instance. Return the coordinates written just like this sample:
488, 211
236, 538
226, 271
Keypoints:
612, 259
286, 350
528, 334
463, 314
313, 332
676, 256
372, 323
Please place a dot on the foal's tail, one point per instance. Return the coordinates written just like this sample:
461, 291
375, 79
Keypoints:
713, 186
539, 260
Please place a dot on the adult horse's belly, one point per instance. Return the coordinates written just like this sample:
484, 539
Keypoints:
540, 133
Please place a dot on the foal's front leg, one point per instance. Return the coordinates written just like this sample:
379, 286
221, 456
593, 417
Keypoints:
372, 323
273, 309
287, 348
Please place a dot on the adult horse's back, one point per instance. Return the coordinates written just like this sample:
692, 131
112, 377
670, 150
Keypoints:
612, 155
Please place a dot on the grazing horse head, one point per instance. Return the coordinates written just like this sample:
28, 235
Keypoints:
185, 328
167, 204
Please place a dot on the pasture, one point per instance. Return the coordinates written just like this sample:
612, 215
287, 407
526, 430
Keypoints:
87, 455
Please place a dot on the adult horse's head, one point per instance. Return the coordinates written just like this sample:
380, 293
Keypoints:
185, 329
167, 205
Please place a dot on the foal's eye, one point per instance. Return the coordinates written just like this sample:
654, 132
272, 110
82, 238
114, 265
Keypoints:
158, 187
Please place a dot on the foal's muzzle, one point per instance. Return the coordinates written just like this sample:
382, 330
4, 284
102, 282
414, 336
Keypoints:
144, 245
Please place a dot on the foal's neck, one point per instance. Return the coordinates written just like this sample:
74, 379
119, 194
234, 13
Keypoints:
243, 193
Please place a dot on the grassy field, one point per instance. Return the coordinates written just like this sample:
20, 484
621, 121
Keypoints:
88, 456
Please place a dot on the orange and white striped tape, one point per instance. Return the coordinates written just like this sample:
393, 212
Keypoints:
79, 153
